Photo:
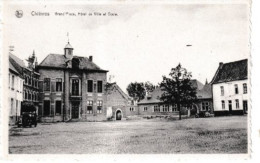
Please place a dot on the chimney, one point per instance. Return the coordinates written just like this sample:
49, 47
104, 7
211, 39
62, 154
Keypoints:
90, 58
220, 65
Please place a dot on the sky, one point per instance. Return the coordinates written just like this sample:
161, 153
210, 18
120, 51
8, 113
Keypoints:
142, 43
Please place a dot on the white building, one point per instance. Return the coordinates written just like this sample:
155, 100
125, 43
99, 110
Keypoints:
230, 88
15, 91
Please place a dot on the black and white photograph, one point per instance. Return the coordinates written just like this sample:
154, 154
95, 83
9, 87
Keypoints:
127, 78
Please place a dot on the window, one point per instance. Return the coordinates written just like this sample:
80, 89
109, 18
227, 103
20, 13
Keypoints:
100, 84
58, 85
35, 83
174, 108
12, 105
46, 84
30, 81
156, 108
12, 82
26, 80
32, 96
205, 106
89, 107
26, 95
237, 104
145, 108
236, 89
245, 88
223, 104
222, 90
90, 85
99, 106
58, 107
75, 87
165, 108
131, 109
46, 107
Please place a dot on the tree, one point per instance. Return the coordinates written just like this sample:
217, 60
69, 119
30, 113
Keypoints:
177, 89
136, 90
149, 87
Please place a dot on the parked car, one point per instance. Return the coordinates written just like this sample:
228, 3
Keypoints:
203, 114
27, 119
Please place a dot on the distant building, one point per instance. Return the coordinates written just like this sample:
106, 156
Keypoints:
15, 88
31, 87
119, 104
204, 99
71, 88
230, 88
30, 82
152, 105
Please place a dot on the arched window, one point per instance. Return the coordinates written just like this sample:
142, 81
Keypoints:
75, 63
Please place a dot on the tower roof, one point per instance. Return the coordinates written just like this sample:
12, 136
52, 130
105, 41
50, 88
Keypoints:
68, 46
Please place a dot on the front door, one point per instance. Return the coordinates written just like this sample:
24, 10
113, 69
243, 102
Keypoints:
245, 106
118, 115
75, 110
230, 106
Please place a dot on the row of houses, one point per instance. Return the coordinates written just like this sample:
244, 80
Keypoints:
66, 87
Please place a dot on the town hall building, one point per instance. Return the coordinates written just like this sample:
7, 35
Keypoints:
71, 88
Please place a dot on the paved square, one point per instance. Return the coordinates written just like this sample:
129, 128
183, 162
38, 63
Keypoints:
202, 135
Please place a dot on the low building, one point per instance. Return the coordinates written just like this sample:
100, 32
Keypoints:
15, 88
230, 88
152, 105
204, 99
71, 88
119, 104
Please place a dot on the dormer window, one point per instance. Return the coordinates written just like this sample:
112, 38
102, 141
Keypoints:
75, 63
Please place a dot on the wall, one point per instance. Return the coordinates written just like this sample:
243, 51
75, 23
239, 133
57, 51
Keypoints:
229, 94
15, 93
66, 97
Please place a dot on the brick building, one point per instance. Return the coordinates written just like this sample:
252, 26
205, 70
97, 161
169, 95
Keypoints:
119, 104
71, 87
31, 87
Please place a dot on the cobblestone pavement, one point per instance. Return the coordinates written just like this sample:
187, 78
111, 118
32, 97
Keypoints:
202, 135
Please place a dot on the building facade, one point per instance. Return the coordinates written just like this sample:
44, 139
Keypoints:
152, 105
15, 89
204, 99
230, 88
119, 104
31, 85
71, 88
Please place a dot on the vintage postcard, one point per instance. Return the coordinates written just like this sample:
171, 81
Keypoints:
126, 77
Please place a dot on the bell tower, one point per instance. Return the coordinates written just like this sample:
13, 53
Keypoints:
68, 51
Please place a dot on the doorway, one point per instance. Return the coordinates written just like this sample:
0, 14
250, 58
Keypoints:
118, 115
75, 110
245, 107
230, 106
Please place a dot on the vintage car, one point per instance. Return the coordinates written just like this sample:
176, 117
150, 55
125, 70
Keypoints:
27, 119
203, 114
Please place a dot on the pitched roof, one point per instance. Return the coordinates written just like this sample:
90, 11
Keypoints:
196, 84
11, 67
154, 97
231, 71
68, 46
111, 86
59, 61
205, 92
16, 63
